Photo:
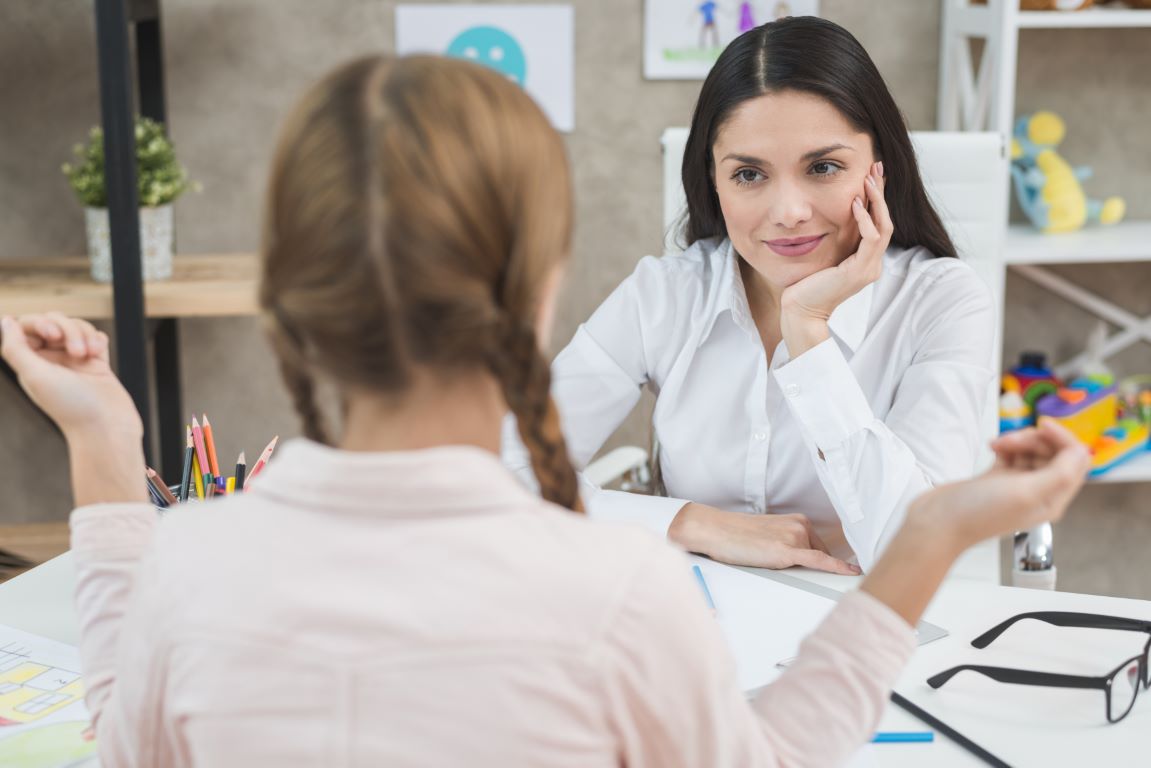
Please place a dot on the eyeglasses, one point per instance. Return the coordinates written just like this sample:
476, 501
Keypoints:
1120, 686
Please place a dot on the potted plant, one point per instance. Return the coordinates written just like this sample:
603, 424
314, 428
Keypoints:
160, 180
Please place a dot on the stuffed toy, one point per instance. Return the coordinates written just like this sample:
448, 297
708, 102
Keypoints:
1047, 186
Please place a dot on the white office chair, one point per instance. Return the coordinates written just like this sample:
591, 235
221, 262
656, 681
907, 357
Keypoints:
966, 175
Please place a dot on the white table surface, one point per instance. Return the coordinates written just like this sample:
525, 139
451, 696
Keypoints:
1019, 724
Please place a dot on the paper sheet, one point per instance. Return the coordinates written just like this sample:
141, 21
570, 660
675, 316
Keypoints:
43, 720
763, 621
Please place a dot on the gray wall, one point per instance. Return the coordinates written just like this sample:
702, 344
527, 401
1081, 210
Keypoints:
234, 67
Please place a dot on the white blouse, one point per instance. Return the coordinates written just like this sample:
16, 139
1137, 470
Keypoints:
894, 400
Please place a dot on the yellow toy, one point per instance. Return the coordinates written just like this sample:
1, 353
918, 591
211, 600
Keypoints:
1047, 186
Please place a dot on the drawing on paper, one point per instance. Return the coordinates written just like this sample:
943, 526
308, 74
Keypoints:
30, 690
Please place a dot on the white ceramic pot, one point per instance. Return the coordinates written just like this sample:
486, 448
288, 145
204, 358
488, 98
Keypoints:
155, 243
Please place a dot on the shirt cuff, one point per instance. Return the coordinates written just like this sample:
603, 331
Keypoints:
654, 513
823, 394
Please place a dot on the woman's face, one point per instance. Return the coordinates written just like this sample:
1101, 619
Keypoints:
787, 167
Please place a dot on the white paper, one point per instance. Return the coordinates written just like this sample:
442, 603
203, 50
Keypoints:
680, 44
532, 45
43, 720
763, 621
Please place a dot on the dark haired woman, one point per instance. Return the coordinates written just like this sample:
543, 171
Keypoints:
820, 356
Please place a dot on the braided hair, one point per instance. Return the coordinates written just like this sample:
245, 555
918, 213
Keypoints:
416, 210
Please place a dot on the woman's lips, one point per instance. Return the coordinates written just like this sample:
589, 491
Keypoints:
794, 246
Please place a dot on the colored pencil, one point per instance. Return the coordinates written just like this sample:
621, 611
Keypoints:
240, 467
263, 460
186, 475
703, 585
197, 476
201, 451
902, 737
231, 487
161, 487
154, 494
209, 486
210, 447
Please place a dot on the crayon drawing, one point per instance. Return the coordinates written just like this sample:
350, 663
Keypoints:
683, 38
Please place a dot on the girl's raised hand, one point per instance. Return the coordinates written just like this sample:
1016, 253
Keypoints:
62, 364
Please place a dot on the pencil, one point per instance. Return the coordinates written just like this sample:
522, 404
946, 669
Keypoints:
197, 476
703, 585
902, 737
949, 732
209, 486
263, 460
210, 447
161, 487
154, 494
201, 451
186, 475
240, 466
231, 487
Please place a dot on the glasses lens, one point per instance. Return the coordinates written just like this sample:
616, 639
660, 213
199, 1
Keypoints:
1124, 686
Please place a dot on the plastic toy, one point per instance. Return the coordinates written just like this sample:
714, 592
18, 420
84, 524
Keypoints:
1090, 411
1014, 412
1047, 186
1034, 377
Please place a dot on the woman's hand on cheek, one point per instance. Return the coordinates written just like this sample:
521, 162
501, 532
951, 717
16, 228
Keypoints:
807, 305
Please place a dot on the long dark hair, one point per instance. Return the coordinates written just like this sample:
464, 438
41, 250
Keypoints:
812, 55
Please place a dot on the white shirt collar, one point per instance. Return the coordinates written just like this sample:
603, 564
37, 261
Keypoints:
848, 321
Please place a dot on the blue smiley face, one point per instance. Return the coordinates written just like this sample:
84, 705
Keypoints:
493, 48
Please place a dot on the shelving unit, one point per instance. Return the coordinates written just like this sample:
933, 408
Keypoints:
976, 98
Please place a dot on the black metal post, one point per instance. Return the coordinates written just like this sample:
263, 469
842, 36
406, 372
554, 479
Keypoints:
112, 44
166, 337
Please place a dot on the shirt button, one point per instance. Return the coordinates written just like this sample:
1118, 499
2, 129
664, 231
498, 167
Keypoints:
792, 390
760, 436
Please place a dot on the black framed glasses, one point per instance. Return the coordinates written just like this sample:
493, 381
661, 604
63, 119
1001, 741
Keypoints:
1120, 686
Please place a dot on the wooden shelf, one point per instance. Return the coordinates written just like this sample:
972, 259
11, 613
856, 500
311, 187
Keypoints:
1125, 241
217, 285
1090, 18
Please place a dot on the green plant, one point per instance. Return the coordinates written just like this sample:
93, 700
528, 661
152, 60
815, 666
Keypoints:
160, 178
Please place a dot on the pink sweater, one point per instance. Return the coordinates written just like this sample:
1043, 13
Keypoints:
423, 609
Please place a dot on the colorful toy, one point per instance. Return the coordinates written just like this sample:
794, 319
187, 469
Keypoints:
1014, 412
1034, 377
1090, 411
1047, 186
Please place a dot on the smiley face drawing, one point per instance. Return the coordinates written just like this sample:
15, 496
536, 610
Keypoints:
493, 48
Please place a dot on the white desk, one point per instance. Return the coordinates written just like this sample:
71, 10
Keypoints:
1021, 725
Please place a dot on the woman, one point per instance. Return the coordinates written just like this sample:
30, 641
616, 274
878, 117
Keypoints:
819, 355
389, 594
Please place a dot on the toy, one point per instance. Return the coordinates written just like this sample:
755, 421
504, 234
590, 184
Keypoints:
1034, 377
1047, 186
1090, 410
1014, 412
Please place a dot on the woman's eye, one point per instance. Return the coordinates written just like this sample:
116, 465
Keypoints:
825, 169
747, 176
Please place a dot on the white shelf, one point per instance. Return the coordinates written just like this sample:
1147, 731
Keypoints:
1136, 470
1091, 18
1126, 241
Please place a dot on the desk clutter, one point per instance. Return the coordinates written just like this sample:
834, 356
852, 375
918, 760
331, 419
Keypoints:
202, 477
1111, 417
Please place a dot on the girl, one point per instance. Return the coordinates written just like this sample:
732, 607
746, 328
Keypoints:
388, 594
820, 356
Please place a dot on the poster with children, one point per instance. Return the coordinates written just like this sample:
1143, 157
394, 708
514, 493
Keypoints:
683, 38
532, 45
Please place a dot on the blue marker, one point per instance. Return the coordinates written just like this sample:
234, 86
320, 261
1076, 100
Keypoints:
703, 586
905, 737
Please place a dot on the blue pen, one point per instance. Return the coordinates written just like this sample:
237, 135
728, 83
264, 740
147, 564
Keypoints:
703, 586
904, 737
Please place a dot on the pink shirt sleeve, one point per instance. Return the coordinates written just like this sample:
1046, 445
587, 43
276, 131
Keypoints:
672, 693
119, 620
